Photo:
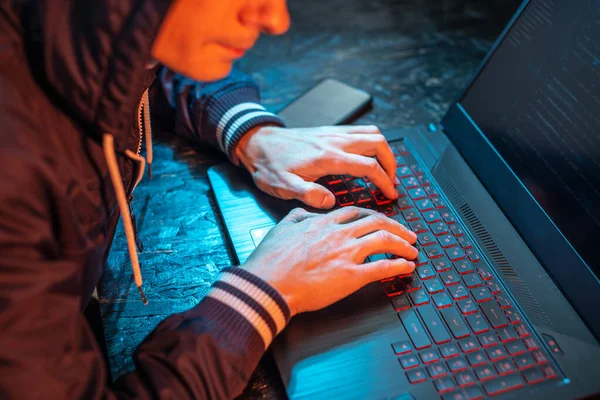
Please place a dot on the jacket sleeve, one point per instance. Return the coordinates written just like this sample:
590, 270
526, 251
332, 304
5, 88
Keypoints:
218, 113
47, 349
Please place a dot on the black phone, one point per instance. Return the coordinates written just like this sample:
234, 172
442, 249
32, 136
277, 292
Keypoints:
330, 102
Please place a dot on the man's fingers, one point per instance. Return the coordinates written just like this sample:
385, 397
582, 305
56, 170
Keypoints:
350, 214
383, 241
298, 215
353, 129
373, 145
309, 193
383, 269
379, 221
361, 166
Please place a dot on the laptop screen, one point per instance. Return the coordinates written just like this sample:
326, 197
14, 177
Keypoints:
538, 102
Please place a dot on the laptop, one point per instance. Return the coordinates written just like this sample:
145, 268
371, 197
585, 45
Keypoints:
505, 197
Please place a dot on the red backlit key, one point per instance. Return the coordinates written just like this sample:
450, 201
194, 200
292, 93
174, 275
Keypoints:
457, 364
533, 376
455, 322
402, 347
503, 384
416, 375
496, 353
504, 367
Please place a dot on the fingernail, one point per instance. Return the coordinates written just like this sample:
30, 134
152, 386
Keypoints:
324, 202
411, 264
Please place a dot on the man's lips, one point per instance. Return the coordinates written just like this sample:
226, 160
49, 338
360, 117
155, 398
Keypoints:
236, 51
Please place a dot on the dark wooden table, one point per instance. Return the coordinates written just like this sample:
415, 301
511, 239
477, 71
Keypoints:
415, 57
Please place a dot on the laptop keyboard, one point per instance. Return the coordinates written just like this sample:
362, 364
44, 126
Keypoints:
465, 334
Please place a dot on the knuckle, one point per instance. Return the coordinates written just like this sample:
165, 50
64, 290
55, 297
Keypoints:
371, 164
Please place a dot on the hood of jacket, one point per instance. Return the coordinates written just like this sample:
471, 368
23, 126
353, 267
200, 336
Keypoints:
93, 55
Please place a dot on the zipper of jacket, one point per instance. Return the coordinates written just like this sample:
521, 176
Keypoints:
140, 121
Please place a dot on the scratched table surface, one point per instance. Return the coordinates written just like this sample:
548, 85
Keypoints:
414, 56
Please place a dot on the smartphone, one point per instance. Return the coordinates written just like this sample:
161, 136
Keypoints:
330, 102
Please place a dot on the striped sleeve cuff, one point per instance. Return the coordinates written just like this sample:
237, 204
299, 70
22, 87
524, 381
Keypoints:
233, 114
255, 300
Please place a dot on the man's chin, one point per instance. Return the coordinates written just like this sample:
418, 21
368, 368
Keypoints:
207, 73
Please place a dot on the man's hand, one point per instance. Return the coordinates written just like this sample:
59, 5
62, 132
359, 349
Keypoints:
285, 163
314, 260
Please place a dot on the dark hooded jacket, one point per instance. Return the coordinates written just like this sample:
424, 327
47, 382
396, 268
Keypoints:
72, 73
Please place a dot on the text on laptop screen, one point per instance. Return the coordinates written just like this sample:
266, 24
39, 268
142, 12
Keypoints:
538, 102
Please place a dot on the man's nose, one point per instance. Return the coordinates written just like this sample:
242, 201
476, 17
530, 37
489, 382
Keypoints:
275, 17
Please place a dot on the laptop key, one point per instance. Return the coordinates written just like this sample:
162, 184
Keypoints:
484, 272
434, 251
388, 209
530, 343
403, 172
503, 384
485, 372
493, 286
467, 306
429, 356
421, 259
441, 300
457, 230
424, 205
507, 334
533, 376
393, 288
416, 375
345, 200
416, 169
434, 324
473, 255
432, 217
481, 294
476, 358
400, 302
410, 182
356, 185
504, 367
515, 348
362, 197
449, 278
333, 179
477, 323
439, 228
464, 242
455, 254
338, 188
402, 347
539, 357
418, 227
431, 192
417, 194
457, 364
503, 302
463, 267
513, 316
525, 361
441, 264
470, 393
380, 199
465, 378
409, 361
433, 285
425, 272
443, 385
549, 371
447, 241
496, 353
455, 322
448, 217
448, 350
425, 239
437, 201
472, 280
437, 370
410, 215
419, 297
411, 283
488, 339
494, 314
415, 330
458, 292
424, 180
468, 345
404, 203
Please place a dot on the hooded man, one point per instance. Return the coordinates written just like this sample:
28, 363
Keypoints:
80, 82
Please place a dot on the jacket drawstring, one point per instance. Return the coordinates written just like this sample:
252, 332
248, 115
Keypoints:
115, 175
148, 131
